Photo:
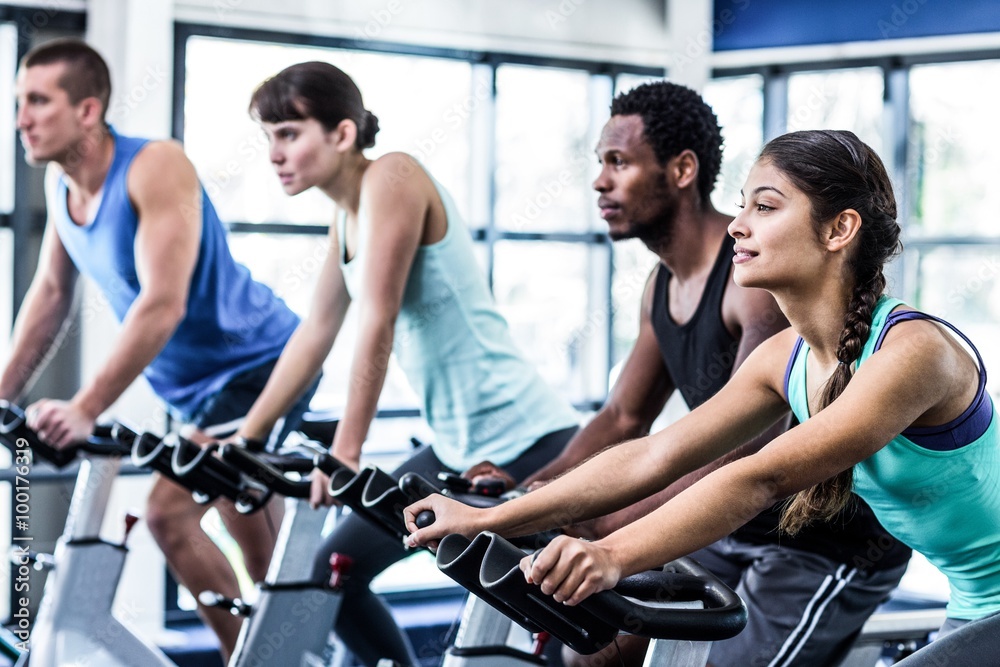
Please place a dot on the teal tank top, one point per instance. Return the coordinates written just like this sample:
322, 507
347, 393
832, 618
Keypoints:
480, 397
232, 323
937, 490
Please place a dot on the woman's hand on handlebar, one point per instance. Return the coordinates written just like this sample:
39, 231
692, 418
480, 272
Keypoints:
570, 570
450, 516
319, 495
59, 423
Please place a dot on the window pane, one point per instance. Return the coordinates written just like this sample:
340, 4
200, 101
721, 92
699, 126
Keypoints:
6, 288
962, 285
848, 99
8, 68
633, 264
230, 151
545, 156
554, 297
954, 150
738, 103
626, 82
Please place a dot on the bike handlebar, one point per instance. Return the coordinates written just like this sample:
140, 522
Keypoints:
489, 567
14, 431
271, 470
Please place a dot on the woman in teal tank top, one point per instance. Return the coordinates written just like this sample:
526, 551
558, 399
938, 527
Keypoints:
891, 405
399, 249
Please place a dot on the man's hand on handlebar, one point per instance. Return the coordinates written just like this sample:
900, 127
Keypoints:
450, 516
486, 471
570, 570
59, 423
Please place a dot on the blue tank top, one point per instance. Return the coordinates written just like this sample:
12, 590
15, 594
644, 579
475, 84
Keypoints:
232, 323
936, 489
481, 398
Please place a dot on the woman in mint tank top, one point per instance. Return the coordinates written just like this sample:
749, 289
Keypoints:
892, 405
400, 251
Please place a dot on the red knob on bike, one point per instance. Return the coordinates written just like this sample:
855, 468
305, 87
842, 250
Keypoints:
340, 568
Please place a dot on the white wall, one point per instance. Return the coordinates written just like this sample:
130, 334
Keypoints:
630, 30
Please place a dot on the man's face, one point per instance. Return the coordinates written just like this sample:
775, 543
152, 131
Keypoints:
635, 197
50, 125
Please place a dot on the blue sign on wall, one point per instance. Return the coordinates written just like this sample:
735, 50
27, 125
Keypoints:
754, 24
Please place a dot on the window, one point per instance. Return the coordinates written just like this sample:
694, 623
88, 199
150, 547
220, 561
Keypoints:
545, 154
847, 99
554, 298
8, 69
954, 149
738, 103
231, 151
6, 288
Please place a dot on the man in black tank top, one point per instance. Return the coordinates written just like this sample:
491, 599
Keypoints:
809, 595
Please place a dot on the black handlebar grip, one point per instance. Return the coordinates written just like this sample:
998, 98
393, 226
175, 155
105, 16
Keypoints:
424, 519
13, 428
327, 464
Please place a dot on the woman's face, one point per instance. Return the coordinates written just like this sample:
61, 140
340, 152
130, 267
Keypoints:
302, 152
777, 244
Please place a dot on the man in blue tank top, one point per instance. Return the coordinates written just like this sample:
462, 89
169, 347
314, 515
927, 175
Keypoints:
807, 596
131, 215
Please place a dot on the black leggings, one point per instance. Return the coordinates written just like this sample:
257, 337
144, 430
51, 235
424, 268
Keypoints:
364, 623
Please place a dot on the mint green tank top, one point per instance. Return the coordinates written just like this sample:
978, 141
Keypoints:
481, 398
942, 496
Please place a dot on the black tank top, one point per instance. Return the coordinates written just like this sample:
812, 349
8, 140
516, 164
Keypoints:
700, 355
701, 352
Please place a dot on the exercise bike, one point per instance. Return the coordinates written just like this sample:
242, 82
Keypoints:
75, 620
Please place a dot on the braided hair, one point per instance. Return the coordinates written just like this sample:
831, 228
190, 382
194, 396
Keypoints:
837, 171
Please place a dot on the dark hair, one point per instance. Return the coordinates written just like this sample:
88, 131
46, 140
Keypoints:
86, 72
314, 90
676, 118
837, 171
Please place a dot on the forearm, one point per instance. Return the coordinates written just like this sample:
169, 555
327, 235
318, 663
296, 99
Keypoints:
145, 331
624, 474
616, 520
698, 516
300, 363
367, 376
36, 332
607, 428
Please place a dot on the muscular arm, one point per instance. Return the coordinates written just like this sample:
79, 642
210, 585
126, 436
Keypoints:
306, 350
397, 196
41, 318
164, 189
165, 192
638, 397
